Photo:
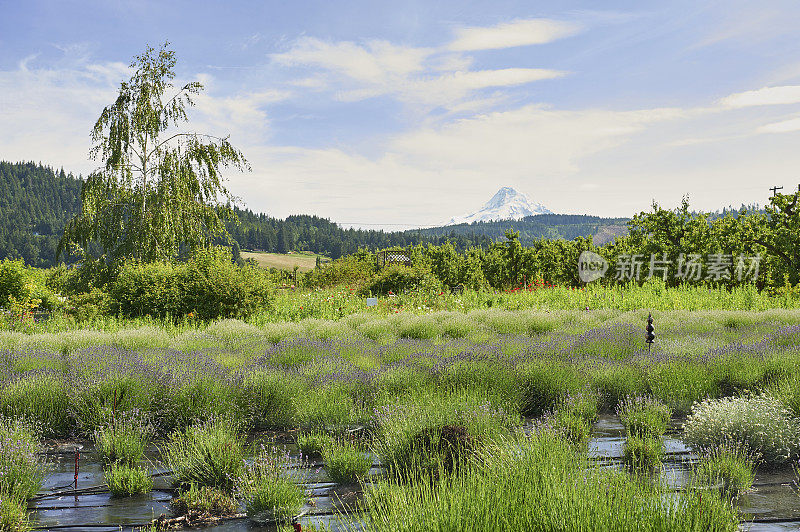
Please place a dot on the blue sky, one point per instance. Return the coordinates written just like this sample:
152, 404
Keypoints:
413, 112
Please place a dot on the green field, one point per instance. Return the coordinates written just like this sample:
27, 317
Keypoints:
304, 260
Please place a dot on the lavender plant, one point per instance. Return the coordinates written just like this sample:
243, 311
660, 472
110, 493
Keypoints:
21, 469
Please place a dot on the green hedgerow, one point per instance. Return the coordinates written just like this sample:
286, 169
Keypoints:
124, 480
759, 422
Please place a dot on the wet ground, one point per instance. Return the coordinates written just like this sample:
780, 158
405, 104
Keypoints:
773, 504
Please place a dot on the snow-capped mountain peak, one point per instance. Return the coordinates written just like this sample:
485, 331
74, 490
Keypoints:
506, 204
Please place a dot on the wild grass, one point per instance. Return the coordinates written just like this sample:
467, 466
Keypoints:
345, 463
125, 480
758, 422
267, 489
536, 483
209, 454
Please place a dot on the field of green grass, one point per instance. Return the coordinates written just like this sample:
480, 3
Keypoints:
450, 402
304, 260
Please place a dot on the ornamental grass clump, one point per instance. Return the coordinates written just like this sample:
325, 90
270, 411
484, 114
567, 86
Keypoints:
728, 468
345, 463
208, 454
21, 471
268, 490
759, 422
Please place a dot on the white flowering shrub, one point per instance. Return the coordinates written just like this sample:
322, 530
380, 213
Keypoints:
759, 422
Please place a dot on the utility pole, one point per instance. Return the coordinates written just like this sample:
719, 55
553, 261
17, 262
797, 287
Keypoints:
776, 189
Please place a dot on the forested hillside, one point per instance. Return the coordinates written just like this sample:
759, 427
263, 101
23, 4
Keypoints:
531, 228
35, 204
37, 201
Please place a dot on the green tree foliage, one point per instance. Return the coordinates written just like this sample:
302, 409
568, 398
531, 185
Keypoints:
159, 188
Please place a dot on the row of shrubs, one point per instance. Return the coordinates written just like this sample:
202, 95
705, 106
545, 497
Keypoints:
208, 285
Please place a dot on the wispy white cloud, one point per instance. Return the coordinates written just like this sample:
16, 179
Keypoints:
784, 126
512, 34
787, 94
376, 62
424, 76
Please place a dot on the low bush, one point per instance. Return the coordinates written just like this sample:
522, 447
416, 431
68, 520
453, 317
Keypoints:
21, 471
209, 286
268, 399
759, 422
643, 416
124, 480
268, 491
209, 454
419, 328
574, 416
787, 391
727, 468
345, 463
543, 385
423, 430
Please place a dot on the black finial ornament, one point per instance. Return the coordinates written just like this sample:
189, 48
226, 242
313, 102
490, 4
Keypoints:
650, 336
